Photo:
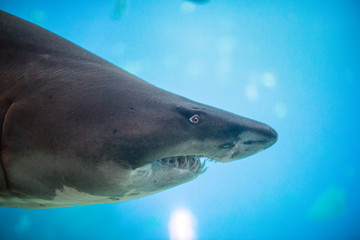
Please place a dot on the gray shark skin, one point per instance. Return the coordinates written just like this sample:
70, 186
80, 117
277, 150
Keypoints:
76, 129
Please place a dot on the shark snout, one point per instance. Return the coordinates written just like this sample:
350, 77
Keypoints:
255, 138
267, 133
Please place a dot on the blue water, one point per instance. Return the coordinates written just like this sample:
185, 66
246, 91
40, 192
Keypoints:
293, 65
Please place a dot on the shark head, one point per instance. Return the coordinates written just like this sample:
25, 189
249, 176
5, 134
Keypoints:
169, 138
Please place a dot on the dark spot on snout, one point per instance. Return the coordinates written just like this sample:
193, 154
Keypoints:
115, 131
132, 109
133, 194
255, 142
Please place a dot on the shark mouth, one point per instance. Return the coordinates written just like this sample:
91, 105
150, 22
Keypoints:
193, 163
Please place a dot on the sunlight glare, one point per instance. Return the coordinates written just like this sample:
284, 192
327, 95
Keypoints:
182, 225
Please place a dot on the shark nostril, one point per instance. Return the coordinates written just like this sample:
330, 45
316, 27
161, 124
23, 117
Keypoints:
228, 145
248, 142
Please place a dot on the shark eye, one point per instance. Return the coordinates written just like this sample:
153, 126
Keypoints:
195, 119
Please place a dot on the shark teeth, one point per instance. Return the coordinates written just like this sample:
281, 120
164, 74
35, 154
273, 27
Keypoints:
195, 164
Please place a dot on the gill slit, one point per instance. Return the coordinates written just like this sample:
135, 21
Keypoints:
7, 185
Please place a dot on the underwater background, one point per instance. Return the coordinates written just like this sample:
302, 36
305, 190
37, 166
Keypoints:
294, 65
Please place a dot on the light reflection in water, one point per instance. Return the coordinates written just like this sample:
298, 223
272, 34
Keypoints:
182, 225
